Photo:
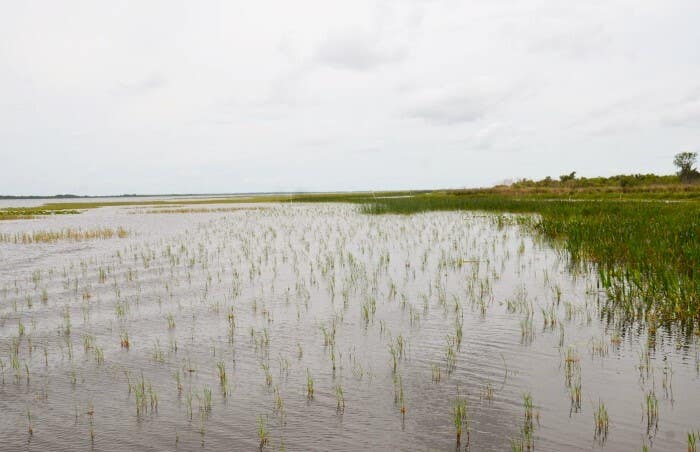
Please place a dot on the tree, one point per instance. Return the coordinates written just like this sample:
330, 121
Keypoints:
685, 161
568, 177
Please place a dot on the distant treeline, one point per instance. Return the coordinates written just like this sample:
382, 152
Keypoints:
621, 180
39, 197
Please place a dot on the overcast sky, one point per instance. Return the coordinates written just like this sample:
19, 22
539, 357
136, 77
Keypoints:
110, 97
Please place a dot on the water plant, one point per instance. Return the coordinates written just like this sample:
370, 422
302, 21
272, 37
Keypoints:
171, 321
693, 438
124, 340
262, 431
30, 428
268, 375
223, 380
528, 423
339, 398
309, 385
601, 421
651, 410
437, 373
460, 418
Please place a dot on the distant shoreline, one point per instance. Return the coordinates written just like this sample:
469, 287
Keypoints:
70, 196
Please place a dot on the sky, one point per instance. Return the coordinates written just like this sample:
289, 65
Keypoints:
112, 97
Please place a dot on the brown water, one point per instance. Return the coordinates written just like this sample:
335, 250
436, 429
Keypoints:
281, 274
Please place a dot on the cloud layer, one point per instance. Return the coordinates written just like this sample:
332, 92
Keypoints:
164, 97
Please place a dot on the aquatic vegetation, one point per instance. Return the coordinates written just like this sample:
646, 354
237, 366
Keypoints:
99, 355
205, 400
74, 235
268, 374
262, 431
572, 365
528, 422
460, 418
647, 252
124, 340
26, 213
437, 373
144, 396
309, 385
651, 409
30, 428
223, 379
340, 398
171, 321
450, 354
368, 305
488, 392
601, 421
693, 438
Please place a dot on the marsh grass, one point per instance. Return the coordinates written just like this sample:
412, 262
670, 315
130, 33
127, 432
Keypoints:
223, 379
693, 438
195, 210
27, 213
601, 422
647, 253
309, 385
651, 410
339, 398
30, 427
460, 418
262, 431
528, 429
68, 234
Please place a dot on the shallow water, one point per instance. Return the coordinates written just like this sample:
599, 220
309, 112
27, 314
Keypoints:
285, 272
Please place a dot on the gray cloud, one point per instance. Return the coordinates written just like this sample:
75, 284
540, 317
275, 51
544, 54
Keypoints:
451, 109
685, 112
639, 112
142, 86
463, 104
357, 51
